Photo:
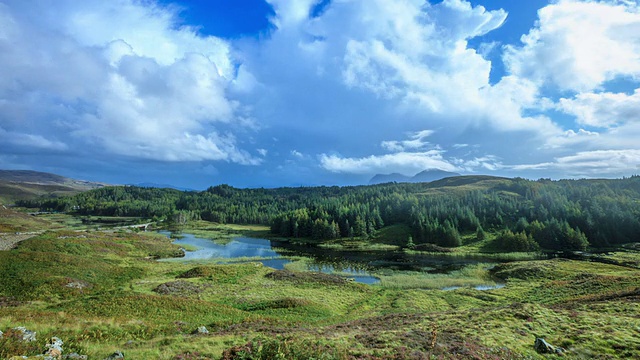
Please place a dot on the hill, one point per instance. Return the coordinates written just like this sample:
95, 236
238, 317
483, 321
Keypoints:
26, 184
423, 176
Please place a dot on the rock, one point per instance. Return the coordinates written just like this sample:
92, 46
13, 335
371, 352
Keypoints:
75, 356
116, 355
54, 348
1, 334
202, 330
27, 335
543, 347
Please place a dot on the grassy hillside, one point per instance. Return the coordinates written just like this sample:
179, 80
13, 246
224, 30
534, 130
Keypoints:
25, 185
101, 292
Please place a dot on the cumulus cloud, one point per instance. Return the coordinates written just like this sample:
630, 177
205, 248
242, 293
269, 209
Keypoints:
603, 109
579, 45
122, 76
401, 162
416, 141
483, 163
417, 52
30, 141
592, 163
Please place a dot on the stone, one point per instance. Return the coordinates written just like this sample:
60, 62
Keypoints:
202, 330
54, 348
1, 334
116, 355
543, 347
27, 335
75, 356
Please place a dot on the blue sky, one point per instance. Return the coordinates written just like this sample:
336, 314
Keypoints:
258, 93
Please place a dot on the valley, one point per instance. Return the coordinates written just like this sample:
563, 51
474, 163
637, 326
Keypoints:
190, 288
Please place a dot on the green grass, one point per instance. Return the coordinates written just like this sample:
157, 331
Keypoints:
589, 308
471, 275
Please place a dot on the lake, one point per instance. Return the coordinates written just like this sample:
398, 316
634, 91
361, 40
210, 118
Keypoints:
355, 265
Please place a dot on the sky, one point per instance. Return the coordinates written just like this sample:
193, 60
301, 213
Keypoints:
268, 93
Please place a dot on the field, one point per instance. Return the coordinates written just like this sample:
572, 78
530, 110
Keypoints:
102, 292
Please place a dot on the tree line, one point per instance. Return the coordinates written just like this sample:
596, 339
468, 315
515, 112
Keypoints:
525, 214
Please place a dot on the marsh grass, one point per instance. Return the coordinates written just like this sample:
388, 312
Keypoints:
470, 275
589, 308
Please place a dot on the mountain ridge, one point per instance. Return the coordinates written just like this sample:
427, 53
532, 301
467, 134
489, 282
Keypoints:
427, 175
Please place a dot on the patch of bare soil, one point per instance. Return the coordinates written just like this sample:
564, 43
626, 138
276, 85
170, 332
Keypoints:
9, 241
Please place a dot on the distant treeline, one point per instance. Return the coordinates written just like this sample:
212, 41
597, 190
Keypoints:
560, 215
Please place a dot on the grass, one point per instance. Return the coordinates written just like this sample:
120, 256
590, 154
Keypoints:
254, 312
471, 275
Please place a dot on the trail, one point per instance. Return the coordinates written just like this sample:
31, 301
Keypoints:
9, 241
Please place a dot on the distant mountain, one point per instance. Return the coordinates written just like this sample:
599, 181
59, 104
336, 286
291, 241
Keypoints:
432, 175
27, 184
423, 176
162, 186
387, 178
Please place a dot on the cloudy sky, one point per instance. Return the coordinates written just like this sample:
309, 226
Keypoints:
257, 93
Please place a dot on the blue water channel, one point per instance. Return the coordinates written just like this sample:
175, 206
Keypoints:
263, 250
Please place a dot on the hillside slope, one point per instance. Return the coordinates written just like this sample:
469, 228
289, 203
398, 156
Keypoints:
26, 184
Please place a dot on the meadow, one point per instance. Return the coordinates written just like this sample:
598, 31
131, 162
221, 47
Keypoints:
105, 291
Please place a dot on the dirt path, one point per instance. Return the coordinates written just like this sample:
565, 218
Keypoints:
8, 241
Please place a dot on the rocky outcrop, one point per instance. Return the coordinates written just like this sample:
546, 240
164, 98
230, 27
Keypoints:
115, 356
27, 335
543, 347
54, 349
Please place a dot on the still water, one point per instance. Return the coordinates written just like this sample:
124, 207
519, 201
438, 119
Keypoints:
259, 250
355, 265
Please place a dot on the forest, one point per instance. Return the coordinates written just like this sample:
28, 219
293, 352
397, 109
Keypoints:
524, 215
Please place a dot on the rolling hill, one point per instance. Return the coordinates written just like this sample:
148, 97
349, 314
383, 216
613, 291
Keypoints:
26, 184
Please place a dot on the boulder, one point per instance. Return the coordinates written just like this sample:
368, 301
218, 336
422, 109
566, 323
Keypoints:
543, 347
54, 348
115, 356
202, 330
27, 335
75, 356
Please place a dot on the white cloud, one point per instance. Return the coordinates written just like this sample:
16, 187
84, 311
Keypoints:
402, 162
30, 141
571, 138
122, 75
262, 152
488, 162
416, 142
603, 109
579, 45
297, 154
592, 163
418, 53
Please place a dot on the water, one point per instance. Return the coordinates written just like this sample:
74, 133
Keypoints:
262, 250
354, 265
478, 287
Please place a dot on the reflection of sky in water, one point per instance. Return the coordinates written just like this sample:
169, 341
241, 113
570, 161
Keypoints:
478, 287
358, 275
238, 247
329, 269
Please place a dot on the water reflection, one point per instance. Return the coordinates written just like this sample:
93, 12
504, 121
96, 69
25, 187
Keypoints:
356, 265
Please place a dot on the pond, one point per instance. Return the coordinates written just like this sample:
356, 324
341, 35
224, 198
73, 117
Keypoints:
356, 265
